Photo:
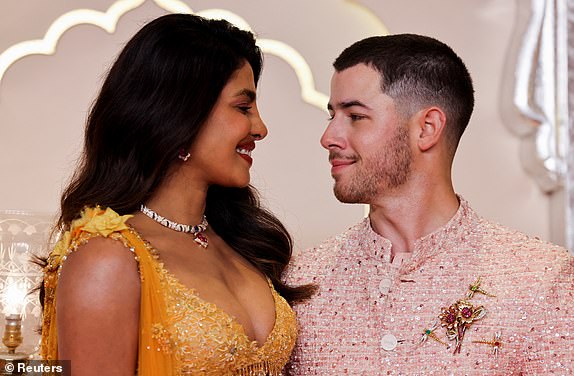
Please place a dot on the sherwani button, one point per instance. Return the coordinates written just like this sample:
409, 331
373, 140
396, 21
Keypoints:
389, 342
385, 285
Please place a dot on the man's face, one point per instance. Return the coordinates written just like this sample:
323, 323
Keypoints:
368, 143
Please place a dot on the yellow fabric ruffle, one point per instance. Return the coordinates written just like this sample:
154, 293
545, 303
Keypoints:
107, 223
167, 328
92, 220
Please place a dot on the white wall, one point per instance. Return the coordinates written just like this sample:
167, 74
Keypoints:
44, 101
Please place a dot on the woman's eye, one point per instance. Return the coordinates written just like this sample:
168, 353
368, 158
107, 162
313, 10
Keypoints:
244, 109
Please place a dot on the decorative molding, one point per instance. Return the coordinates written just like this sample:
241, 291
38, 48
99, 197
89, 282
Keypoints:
301, 68
108, 21
47, 45
173, 6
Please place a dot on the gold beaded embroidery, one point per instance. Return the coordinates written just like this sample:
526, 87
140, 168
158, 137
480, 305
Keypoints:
198, 337
162, 337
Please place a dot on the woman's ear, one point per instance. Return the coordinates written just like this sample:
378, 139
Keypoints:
431, 124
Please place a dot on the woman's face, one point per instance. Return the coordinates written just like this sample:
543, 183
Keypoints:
221, 153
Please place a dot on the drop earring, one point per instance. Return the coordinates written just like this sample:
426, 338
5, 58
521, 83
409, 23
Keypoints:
183, 155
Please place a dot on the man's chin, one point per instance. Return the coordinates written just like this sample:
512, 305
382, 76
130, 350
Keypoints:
347, 197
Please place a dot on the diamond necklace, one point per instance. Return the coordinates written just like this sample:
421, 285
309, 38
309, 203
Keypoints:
195, 230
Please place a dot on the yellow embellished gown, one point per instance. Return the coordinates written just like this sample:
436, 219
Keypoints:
179, 333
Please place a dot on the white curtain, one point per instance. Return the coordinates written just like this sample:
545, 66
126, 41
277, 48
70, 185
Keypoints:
569, 179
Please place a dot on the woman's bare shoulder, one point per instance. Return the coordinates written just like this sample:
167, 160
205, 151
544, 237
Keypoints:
97, 308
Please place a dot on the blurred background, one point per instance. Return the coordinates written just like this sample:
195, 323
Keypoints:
512, 164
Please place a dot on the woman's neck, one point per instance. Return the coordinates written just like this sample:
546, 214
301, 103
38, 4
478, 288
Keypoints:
180, 200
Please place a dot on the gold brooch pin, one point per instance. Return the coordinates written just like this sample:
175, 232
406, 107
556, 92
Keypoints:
458, 318
496, 343
475, 288
429, 333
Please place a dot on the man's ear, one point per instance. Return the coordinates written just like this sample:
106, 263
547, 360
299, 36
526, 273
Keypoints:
431, 126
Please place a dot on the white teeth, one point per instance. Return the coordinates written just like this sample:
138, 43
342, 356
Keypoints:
243, 151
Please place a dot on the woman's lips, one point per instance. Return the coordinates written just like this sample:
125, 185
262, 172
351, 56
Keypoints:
245, 152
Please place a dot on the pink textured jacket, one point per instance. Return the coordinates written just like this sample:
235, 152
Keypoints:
476, 298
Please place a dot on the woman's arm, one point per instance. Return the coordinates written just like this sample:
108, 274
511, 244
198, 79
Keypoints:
97, 309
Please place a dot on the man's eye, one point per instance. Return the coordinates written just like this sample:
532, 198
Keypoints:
356, 117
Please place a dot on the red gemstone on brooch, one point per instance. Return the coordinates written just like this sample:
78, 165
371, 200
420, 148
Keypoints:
466, 312
450, 318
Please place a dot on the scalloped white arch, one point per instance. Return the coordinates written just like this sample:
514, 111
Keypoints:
47, 45
301, 68
109, 19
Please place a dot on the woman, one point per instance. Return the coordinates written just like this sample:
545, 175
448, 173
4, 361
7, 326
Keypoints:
167, 263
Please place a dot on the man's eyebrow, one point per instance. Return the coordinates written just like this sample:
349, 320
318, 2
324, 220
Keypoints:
248, 93
347, 104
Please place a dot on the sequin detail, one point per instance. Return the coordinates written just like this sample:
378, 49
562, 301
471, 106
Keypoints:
342, 326
206, 338
179, 330
162, 337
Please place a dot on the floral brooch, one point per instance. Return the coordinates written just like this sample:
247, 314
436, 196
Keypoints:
458, 317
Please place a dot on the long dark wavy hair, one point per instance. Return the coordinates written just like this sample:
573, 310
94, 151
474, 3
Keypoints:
156, 97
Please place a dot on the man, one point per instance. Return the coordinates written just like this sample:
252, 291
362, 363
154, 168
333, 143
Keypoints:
423, 285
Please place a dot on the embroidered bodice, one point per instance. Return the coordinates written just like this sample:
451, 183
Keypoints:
180, 333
